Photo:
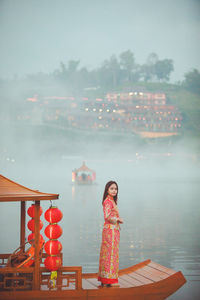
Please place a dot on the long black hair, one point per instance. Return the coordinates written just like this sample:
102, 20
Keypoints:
105, 194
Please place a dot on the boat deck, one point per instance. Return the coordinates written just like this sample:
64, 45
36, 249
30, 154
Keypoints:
148, 274
144, 281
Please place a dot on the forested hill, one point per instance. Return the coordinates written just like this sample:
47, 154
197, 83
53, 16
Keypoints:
116, 74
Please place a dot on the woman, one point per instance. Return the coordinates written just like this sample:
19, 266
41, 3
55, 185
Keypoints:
109, 254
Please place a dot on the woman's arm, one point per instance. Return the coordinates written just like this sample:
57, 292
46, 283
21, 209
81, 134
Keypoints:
108, 213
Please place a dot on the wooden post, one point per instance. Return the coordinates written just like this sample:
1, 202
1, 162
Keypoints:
79, 279
36, 284
23, 221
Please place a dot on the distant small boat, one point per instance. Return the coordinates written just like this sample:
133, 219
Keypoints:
83, 175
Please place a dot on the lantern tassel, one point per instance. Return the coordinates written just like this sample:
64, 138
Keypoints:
53, 278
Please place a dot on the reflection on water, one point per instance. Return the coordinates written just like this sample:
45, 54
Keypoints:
161, 218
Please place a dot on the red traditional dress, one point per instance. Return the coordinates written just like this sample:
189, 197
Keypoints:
109, 254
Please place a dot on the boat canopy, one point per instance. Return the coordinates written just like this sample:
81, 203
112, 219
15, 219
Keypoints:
84, 168
12, 191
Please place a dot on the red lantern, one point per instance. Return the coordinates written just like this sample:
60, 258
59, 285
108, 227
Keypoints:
32, 237
31, 211
53, 215
52, 263
31, 224
53, 231
53, 247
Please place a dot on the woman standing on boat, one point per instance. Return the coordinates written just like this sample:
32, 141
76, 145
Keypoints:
109, 254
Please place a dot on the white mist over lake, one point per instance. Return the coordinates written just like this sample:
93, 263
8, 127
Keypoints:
158, 200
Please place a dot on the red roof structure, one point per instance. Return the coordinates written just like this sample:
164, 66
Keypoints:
12, 191
84, 168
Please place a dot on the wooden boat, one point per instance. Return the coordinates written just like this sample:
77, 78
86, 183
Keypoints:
83, 175
145, 280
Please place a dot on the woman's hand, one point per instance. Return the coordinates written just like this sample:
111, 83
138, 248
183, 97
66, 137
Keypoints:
120, 221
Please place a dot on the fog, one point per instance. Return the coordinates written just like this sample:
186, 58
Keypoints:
158, 178
37, 35
158, 196
34, 146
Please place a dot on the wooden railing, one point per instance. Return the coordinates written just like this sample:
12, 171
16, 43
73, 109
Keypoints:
67, 278
4, 259
12, 278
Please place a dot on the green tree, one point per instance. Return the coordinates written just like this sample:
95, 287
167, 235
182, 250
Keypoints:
127, 63
163, 69
61, 74
72, 66
109, 73
114, 69
147, 71
192, 81
152, 59
68, 74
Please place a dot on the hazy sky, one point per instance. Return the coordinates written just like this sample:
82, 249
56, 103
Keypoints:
36, 35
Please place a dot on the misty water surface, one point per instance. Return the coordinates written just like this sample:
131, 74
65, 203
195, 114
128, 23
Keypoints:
158, 200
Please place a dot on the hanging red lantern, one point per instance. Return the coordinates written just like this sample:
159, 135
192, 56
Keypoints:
31, 225
53, 263
31, 211
53, 215
53, 231
53, 247
32, 237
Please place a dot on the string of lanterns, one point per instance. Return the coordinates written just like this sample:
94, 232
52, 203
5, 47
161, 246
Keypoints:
31, 236
53, 231
31, 223
53, 247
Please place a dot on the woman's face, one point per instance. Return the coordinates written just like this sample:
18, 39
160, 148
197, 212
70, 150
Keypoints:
112, 190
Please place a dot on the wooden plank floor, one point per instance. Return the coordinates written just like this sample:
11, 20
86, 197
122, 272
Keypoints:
90, 283
147, 274
161, 268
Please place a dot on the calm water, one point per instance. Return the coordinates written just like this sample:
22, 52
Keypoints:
158, 202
